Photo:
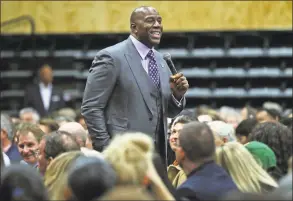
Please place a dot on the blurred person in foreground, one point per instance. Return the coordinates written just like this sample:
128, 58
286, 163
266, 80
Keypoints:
44, 96
85, 182
22, 182
52, 146
248, 175
130, 155
278, 137
223, 132
28, 140
195, 151
133, 91
9, 147
175, 173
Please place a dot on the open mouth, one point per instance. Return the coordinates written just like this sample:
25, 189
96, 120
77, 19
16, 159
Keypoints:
156, 34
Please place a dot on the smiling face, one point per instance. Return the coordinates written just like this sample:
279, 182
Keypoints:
146, 26
28, 147
174, 135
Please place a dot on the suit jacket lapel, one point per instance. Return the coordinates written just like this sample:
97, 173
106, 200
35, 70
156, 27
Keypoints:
39, 97
142, 79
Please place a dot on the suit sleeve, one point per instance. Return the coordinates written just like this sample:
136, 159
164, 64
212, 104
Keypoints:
175, 106
99, 86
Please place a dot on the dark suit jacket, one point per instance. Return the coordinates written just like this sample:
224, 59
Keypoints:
120, 96
208, 182
32, 98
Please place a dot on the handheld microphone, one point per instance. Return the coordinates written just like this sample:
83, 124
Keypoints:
167, 58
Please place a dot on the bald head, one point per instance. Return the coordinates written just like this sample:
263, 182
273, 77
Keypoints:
140, 12
76, 130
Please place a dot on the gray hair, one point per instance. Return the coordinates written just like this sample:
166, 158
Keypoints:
222, 130
6, 124
36, 115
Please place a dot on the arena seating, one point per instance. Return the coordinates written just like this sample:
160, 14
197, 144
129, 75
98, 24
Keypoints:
223, 68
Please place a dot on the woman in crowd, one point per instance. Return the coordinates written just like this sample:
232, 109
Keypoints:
28, 140
247, 174
131, 157
56, 176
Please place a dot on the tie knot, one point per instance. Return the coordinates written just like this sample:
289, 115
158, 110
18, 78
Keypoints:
151, 54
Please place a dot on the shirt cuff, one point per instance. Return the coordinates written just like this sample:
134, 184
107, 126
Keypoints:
178, 103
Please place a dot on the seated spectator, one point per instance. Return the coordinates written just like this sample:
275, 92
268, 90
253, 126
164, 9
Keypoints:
279, 138
175, 173
21, 182
52, 146
248, 175
77, 132
67, 112
85, 182
29, 115
248, 112
130, 155
264, 115
28, 142
264, 155
244, 129
230, 116
195, 150
8, 145
80, 119
48, 125
223, 132
56, 176
62, 120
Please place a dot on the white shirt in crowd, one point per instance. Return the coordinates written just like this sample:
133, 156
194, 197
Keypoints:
6, 159
46, 92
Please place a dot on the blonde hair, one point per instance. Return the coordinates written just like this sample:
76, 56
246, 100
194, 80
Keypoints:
247, 174
129, 154
55, 178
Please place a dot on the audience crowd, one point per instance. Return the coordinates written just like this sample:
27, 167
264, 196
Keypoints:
222, 154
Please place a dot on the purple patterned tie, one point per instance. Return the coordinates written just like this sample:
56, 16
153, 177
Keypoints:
153, 69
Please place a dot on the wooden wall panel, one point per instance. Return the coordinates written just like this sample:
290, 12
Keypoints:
113, 16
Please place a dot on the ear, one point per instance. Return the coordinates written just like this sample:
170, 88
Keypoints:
49, 160
133, 27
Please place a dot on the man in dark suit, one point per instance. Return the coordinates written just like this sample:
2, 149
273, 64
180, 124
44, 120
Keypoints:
195, 149
130, 87
44, 97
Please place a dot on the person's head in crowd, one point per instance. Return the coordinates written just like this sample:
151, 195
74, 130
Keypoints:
6, 132
176, 127
247, 174
77, 132
52, 146
62, 120
29, 115
223, 132
28, 142
129, 154
248, 112
48, 125
278, 137
195, 146
273, 105
206, 114
80, 119
263, 154
90, 178
56, 176
264, 115
67, 112
22, 182
244, 129
287, 121
46, 74
230, 115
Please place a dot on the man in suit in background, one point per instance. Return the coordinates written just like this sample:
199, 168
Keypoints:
130, 87
44, 97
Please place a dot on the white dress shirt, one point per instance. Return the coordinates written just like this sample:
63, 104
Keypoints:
46, 92
143, 51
